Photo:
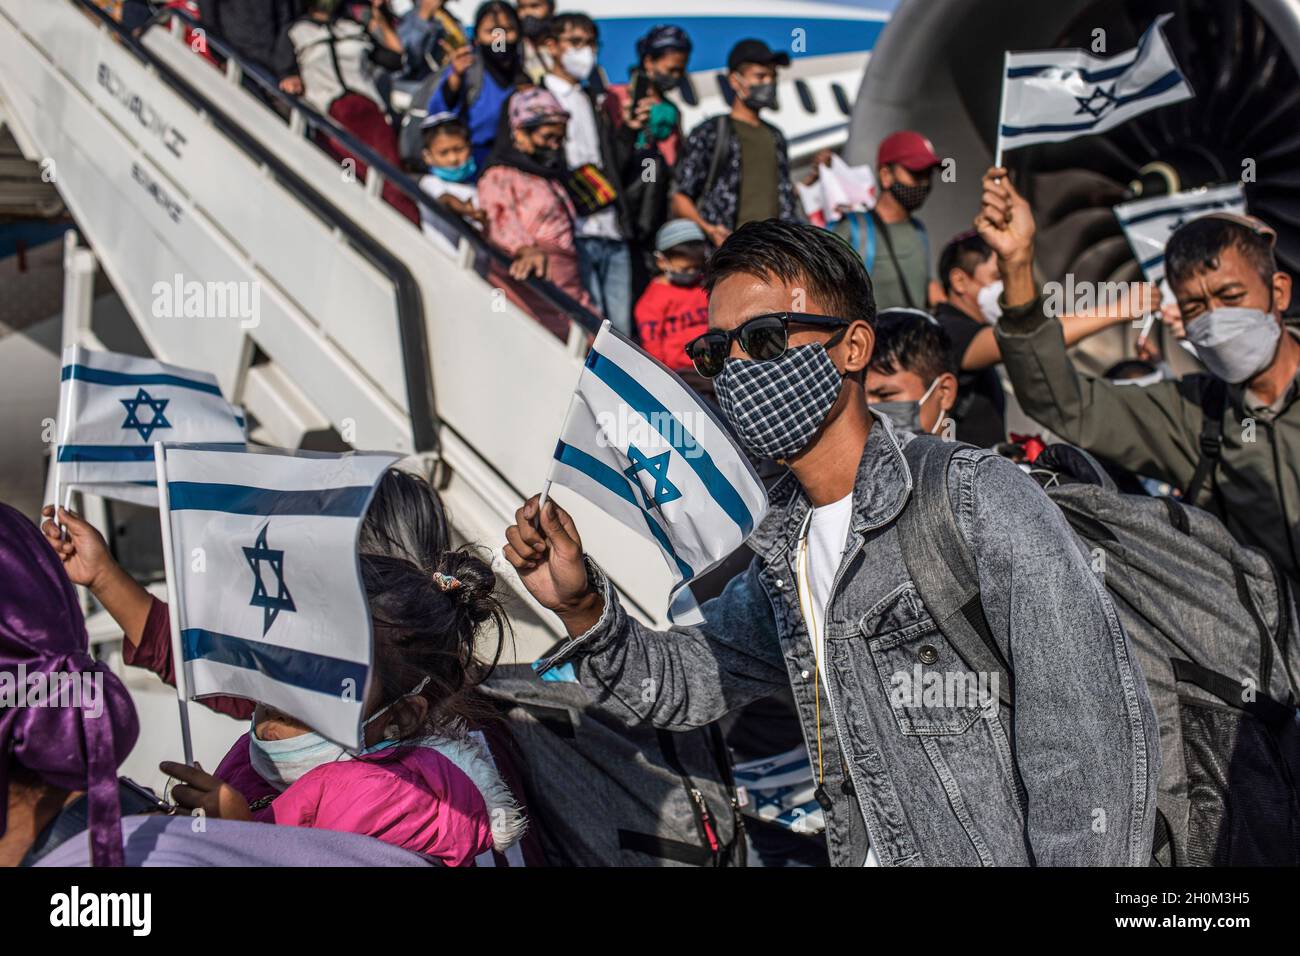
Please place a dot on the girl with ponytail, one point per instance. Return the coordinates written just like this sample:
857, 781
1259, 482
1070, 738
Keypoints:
422, 780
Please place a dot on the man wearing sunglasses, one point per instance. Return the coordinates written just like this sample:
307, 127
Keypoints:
909, 769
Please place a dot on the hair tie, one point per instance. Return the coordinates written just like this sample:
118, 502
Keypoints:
445, 582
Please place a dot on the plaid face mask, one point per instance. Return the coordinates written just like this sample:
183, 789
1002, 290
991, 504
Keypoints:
776, 407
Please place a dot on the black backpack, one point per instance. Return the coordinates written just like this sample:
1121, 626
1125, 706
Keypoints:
605, 793
1211, 623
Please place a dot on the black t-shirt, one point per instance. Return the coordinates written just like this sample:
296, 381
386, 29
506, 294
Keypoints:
981, 406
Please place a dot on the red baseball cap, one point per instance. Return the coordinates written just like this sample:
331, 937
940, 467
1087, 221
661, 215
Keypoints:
909, 149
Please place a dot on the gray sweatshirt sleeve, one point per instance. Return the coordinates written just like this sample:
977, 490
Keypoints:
684, 677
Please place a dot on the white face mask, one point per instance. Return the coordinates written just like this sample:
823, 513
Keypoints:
1235, 344
281, 762
988, 302
578, 63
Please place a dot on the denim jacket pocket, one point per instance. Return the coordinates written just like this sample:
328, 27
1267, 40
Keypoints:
930, 689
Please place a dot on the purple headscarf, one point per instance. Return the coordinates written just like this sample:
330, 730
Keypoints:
43, 632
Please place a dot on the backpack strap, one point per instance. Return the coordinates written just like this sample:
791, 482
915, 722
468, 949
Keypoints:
1214, 401
941, 566
893, 258
473, 86
721, 144
856, 221
1229, 691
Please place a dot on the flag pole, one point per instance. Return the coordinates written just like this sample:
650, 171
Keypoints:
63, 495
1002, 109
173, 600
541, 501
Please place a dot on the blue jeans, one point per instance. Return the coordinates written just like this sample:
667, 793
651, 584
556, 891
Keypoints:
606, 266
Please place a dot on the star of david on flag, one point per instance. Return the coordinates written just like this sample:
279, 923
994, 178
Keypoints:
271, 604
640, 444
662, 490
1050, 96
156, 420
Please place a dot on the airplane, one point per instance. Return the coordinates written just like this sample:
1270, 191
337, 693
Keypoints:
829, 42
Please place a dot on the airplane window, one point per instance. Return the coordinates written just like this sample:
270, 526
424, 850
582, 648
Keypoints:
805, 96
686, 88
728, 93
842, 99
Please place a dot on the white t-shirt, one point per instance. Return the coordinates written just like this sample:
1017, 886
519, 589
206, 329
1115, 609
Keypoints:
828, 529
436, 229
828, 532
582, 146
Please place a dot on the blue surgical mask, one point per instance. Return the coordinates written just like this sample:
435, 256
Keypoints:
456, 174
281, 762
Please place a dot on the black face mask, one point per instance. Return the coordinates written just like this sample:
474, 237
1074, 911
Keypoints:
761, 96
504, 61
552, 157
663, 82
533, 27
910, 197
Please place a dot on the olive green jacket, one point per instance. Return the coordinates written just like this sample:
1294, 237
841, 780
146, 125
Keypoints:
1155, 430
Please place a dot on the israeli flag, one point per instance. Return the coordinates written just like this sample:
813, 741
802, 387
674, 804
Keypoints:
642, 446
112, 408
264, 583
1054, 95
1148, 223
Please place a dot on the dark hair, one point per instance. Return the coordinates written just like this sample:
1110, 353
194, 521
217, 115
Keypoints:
496, 6
1197, 245
911, 341
966, 252
424, 629
555, 27
662, 39
454, 127
797, 252
1128, 369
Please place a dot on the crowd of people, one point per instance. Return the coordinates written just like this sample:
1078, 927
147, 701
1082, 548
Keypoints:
838, 400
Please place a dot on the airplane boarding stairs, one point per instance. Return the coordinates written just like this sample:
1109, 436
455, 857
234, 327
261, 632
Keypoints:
176, 171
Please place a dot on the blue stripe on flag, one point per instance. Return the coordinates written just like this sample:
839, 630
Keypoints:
99, 376
349, 502
1166, 82
315, 672
105, 453
1091, 76
617, 482
1209, 204
650, 408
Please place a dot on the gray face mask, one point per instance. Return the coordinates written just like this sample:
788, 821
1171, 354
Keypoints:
906, 416
1235, 344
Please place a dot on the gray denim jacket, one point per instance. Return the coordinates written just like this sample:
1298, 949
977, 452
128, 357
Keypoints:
1066, 778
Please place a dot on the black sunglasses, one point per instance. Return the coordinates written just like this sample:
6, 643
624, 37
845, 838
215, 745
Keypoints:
764, 338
